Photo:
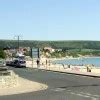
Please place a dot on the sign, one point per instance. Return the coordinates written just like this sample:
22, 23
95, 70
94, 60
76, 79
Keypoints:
35, 53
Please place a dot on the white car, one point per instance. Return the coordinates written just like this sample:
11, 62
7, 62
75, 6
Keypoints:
2, 63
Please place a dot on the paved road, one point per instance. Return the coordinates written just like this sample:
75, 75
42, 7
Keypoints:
61, 86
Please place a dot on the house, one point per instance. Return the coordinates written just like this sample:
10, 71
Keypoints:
49, 49
58, 49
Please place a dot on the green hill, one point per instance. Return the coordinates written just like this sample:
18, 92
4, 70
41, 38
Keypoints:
53, 44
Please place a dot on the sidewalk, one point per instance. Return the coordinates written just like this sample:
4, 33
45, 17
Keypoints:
69, 71
23, 86
90, 74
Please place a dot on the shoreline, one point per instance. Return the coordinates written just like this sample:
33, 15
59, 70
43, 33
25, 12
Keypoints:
79, 58
73, 57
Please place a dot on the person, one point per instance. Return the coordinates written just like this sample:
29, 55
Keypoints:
63, 66
49, 62
46, 62
87, 68
38, 63
68, 66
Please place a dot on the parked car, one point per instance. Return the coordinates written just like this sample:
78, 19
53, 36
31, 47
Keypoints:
20, 63
9, 63
17, 63
2, 63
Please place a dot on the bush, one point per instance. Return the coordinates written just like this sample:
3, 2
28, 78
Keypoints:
2, 54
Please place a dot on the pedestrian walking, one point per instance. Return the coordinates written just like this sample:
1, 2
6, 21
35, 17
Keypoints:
38, 63
46, 62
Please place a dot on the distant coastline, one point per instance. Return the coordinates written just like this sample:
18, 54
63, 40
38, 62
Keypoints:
80, 61
62, 58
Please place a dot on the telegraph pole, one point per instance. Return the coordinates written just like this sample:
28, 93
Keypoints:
18, 39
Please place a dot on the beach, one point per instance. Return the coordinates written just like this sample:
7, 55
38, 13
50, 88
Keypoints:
52, 64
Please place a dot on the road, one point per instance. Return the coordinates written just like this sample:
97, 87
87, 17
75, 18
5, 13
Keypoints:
60, 86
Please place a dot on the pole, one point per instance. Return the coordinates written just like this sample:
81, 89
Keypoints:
32, 57
32, 62
38, 53
39, 56
18, 42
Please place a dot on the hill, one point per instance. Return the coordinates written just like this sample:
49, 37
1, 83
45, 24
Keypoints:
53, 44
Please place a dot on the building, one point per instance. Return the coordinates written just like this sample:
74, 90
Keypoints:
49, 49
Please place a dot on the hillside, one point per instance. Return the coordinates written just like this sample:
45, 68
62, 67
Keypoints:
54, 44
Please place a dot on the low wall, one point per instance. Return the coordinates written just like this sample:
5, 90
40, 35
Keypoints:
9, 81
95, 70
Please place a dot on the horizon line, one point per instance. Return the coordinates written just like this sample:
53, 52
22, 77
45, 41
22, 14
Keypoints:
47, 40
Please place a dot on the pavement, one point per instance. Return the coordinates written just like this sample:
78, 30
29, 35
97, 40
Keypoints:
90, 74
23, 86
61, 86
69, 71
77, 70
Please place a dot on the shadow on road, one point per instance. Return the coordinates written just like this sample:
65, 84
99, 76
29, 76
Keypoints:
65, 87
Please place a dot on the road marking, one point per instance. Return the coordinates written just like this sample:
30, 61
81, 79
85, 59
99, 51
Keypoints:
86, 95
78, 94
58, 89
98, 96
82, 94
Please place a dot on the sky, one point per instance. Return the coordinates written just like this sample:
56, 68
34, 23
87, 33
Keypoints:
50, 19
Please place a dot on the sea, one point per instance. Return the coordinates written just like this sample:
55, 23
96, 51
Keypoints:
95, 61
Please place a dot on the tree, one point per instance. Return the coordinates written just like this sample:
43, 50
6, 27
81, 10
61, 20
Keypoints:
2, 54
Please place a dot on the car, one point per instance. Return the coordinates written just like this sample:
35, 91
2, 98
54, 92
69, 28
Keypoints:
20, 64
9, 63
17, 63
2, 63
